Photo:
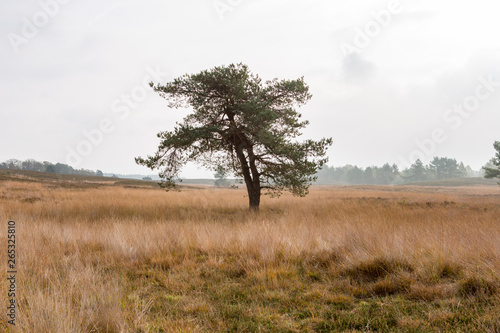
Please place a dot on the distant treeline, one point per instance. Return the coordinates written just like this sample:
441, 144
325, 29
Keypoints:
438, 168
58, 168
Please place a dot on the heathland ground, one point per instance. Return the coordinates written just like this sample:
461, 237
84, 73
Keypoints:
108, 255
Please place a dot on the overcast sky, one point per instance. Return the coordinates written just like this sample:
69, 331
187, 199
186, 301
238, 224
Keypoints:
391, 81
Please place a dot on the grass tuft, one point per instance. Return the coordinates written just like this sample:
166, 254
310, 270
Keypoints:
476, 286
378, 268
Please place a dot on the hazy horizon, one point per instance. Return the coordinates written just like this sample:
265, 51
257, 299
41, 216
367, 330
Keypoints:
392, 81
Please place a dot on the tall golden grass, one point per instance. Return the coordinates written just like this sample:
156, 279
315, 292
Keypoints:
116, 259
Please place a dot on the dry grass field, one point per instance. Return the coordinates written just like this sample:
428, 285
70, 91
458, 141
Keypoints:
104, 257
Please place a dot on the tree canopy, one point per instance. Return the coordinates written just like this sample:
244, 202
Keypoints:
444, 167
243, 125
494, 172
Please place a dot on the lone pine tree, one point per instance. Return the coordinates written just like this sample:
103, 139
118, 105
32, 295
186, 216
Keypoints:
247, 127
494, 172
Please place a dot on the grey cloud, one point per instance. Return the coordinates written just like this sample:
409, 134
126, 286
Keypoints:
356, 69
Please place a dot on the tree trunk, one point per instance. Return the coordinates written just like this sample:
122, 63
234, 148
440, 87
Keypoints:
253, 185
249, 169
254, 199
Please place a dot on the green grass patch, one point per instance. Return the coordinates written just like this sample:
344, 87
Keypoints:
282, 297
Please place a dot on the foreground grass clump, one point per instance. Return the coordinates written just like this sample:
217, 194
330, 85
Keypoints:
109, 258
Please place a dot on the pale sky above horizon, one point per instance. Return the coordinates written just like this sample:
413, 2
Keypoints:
391, 80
